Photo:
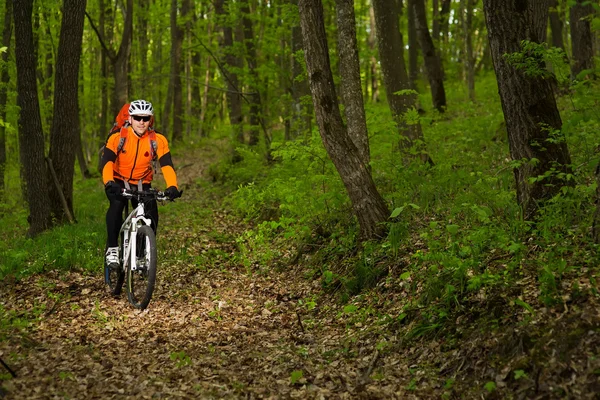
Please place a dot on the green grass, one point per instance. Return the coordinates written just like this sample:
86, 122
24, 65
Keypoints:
73, 246
459, 228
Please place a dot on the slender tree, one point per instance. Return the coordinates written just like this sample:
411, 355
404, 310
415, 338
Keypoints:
120, 62
556, 25
207, 78
4, 79
104, 70
581, 37
372, 43
194, 109
229, 66
413, 44
119, 59
444, 15
252, 61
368, 205
469, 57
532, 119
143, 42
301, 119
65, 130
174, 99
395, 77
351, 91
31, 136
433, 63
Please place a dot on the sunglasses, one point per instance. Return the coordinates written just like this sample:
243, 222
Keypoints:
138, 118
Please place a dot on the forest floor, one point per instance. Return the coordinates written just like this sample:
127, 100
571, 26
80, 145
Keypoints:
226, 330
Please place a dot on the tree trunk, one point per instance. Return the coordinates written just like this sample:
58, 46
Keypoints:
4, 79
435, 20
433, 64
204, 127
469, 57
395, 77
65, 132
120, 63
191, 83
350, 87
444, 20
143, 10
372, 42
413, 45
197, 107
581, 37
532, 119
251, 59
105, 73
368, 205
230, 64
177, 36
31, 135
556, 25
45, 71
301, 113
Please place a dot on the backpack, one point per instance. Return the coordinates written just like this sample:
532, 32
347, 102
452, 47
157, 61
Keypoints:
120, 125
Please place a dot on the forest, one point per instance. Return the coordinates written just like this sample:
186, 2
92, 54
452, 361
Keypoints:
382, 199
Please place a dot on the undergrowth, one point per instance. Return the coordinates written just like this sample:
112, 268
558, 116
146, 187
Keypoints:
455, 234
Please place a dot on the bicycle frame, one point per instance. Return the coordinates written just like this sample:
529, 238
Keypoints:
129, 228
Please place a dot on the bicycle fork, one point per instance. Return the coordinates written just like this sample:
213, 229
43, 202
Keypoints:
129, 229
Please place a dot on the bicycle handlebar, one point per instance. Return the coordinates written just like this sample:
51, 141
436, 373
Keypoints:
151, 193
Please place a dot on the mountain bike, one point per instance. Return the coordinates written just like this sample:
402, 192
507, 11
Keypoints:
137, 252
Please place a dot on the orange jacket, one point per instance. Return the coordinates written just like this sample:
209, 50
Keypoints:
134, 161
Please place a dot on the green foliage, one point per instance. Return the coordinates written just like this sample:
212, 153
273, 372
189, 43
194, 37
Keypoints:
296, 376
455, 226
180, 358
490, 386
71, 246
538, 60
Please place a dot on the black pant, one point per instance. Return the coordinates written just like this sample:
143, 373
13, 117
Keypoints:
114, 215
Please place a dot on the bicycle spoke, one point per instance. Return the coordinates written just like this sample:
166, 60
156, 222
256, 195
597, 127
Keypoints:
140, 282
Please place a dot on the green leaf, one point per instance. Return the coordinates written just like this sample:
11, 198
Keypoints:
524, 305
490, 386
350, 309
452, 229
404, 276
397, 212
295, 376
520, 374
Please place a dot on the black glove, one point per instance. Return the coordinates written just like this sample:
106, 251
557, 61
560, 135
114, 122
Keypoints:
112, 190
172, 192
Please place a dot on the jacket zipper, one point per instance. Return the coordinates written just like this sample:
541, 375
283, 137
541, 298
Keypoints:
137, 149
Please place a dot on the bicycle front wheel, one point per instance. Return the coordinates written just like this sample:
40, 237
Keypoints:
142, 275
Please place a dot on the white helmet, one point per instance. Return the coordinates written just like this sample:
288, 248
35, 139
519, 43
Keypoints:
141, 107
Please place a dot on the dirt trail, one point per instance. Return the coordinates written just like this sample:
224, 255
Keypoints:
211, 331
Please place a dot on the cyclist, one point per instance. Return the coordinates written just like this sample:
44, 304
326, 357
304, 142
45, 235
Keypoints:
128, 163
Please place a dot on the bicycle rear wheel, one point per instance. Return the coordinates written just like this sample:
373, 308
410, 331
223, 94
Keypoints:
114, 278
140, 282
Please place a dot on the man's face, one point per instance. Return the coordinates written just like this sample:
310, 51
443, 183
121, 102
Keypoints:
140, 123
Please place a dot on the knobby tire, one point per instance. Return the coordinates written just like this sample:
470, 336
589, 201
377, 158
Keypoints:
140, 283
